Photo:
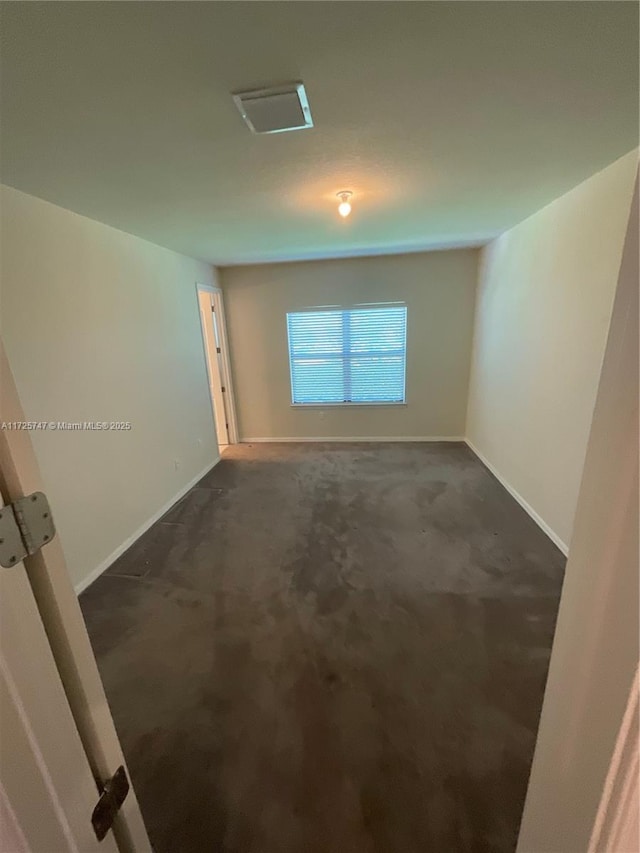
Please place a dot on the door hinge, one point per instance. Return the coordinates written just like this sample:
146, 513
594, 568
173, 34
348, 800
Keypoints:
25, 526
218, 349
112, 795
223, 389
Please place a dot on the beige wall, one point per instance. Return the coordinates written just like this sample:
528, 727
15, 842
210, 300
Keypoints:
595, 649
102, 326
439, 289
544, 303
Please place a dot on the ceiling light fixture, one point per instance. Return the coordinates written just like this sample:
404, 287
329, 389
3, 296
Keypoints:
344, 208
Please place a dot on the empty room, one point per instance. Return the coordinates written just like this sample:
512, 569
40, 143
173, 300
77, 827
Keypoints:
319, 427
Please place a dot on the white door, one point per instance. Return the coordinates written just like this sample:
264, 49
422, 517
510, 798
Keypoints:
56, 731
48, 791
212, 349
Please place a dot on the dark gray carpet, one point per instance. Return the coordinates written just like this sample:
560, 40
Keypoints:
331, 649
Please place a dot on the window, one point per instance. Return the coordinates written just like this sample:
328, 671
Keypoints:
351, 355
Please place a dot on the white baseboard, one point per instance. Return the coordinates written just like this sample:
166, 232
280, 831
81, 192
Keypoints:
347, 438
525, 506
104, 565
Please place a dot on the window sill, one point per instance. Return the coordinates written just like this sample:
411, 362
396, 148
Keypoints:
341, 405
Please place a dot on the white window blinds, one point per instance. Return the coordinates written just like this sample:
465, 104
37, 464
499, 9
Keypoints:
354, 355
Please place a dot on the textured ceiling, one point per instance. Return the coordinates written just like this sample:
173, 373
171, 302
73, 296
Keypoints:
450, 121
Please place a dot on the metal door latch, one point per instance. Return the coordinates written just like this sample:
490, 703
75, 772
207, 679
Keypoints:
25, 526
112, 796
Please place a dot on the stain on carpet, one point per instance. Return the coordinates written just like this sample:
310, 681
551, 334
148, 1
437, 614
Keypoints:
331, 648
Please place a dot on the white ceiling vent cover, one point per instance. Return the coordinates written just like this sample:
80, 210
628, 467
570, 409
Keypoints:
276, 109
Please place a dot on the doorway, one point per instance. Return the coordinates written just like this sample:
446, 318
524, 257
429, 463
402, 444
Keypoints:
59, 745
217, 363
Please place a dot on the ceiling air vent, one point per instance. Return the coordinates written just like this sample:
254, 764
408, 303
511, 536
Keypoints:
276, 109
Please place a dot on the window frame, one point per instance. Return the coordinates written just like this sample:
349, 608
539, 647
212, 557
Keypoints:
347, 404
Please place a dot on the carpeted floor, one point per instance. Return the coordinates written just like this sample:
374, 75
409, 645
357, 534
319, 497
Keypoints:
331, 648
